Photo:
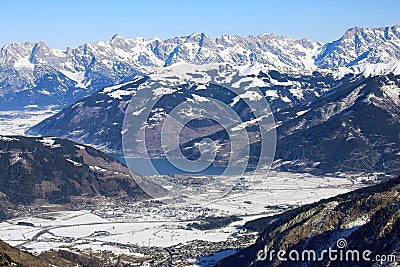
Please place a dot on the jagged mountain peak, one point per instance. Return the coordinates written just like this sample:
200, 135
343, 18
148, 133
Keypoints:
39, 51
198, 34
361, 45
351, 32
116, 37
199, 37
118, 42
41, 44
92, 66
386, 33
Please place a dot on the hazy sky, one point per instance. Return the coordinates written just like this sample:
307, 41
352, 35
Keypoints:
70, 23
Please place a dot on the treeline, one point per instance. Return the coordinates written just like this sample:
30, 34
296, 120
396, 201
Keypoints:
210, 223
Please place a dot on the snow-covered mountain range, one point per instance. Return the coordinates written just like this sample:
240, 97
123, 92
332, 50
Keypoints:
325, 97
35, 74
98, 119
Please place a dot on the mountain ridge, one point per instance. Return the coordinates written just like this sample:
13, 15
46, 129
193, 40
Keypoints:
360, 45
315, 112
34, 73
56, 171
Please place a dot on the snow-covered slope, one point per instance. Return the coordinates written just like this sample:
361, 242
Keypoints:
81, 121
318, 111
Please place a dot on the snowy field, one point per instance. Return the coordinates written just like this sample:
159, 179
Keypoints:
16, 122
154, 224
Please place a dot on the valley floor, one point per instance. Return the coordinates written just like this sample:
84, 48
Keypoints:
150, 231
16, 122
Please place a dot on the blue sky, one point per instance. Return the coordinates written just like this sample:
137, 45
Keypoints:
70, 23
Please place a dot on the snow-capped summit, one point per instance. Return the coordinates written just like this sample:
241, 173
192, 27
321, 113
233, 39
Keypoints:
63, 77
362, 45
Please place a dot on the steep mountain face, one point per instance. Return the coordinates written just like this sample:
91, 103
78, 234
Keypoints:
57, 171
367, 219
34, 74
361, 45
354, 128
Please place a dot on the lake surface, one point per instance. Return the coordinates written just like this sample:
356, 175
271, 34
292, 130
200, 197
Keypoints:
147, 167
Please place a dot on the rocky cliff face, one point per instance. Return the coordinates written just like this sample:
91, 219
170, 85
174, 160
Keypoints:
35, 74
361, 45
